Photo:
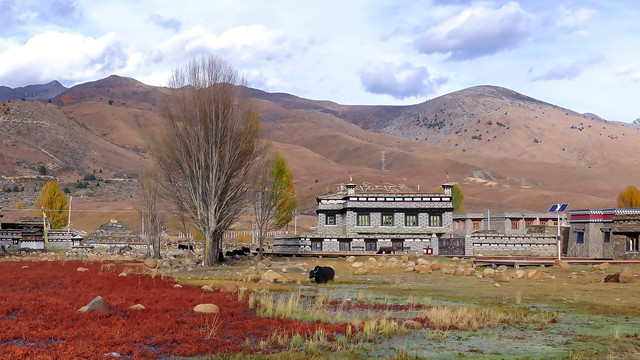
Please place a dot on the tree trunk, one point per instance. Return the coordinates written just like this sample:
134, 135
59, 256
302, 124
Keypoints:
209, 251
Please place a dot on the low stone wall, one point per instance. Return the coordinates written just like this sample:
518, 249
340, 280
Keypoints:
297, 243
514, 245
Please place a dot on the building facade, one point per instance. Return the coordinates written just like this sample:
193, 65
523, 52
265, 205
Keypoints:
604, 233
369, 222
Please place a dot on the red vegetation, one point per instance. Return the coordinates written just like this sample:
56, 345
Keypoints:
39, 317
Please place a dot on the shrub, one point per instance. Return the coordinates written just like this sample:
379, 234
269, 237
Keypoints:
42, 170
89, 177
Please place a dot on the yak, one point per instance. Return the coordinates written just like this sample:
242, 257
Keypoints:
185, 247
322, 274
387, 250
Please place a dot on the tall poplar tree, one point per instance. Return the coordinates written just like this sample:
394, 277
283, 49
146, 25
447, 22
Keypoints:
52, 199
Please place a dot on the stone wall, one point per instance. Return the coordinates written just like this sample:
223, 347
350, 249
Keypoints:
624, 225
514, 245
593, 245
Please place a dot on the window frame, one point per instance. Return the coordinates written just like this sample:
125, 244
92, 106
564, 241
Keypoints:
314, 243
632, 243
432, 217
411, 216
344, 245
387, 216
330, 216
371, 245
361, 217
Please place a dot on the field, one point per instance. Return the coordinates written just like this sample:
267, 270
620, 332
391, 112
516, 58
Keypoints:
385, 312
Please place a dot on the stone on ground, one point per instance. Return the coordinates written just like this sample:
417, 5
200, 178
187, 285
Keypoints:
228, 288
357, 264
518, 274
206, 308
351, 259
603, 266
562, 265
137, 307
150, 263
207, 289
625, 275
501, 277
96, 305
82, 269
421, 261
270, 276
488, 272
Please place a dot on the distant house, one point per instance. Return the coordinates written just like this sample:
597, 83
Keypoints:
605, 233
508, 223
29, 234
368, 222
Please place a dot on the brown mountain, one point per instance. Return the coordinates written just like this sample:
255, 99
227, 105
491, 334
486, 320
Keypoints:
507, 150
32, 92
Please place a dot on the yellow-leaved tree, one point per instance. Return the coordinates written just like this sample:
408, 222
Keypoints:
629, 198
52, 199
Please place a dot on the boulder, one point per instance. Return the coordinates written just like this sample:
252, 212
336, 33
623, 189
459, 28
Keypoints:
625, 275
207, 289
177, 286
538, 275
404, 258
423, 269
360, 271
488, 272
501, 277
351, 259
82, 269
562, 265
455, 258
502, 268
96, 305
421, 261
458, 271
357, 264
286, 279
372, 260
137, 307
270, 276
435, 266
603, 266
469, 272
150, 263
518, 274
228, 288
266, 262
409, 268
206, 309
122, 274
382, 259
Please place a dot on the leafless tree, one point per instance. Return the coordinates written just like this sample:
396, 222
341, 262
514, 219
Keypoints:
150, 194
207, 153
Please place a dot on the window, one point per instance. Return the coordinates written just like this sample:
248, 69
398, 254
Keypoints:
410, 220
371, 245
515, 224
528, 223
632, 243
461, 225
387, 220
476, 224
398, 244
344, 245
435, 220
330, 219
316, 245
607, 236
363, 220
580, 237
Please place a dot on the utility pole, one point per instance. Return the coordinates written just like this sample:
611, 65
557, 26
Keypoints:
382, 158
69, 219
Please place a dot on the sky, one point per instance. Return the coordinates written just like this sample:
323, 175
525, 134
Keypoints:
580, 55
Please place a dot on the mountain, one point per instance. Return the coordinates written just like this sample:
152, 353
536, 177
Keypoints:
509, 152
32, 92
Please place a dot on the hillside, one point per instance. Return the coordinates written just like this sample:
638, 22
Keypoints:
507, 150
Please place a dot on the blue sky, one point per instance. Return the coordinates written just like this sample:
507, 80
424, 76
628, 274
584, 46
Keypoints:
581, 55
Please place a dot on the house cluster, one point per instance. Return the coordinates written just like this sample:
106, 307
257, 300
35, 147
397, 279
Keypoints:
29, 233
364, 222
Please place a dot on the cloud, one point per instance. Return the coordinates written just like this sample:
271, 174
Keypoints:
13, 15
64, 9
571, 18
569, 72
249, 45
66, 57
399, 81
167, 23
477, 32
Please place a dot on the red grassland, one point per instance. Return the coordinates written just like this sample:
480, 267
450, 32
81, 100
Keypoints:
39, 316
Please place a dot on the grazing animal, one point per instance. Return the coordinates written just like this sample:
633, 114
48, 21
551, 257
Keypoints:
239, 252
185, 247
229, 253
322, 274
387, 250
245, 250
259, 249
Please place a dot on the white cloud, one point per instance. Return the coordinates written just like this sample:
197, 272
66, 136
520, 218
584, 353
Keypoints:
477, 32
572, 18
399, 81
66, 57
569, 72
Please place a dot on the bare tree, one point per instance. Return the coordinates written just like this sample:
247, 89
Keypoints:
210, 145
273, 196
150, 194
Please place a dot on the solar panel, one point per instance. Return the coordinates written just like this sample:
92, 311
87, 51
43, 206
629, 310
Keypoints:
553, 208
563, 207
558, 208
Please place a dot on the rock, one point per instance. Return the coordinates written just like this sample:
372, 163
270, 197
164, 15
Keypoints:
286, 279
82, 269
382, 259
167, 263
603, 266
488, 272
190, 261
228, 288
435, 266
421, 261
360, 271
404, 258
538, 275
458, 271
284, 270
266, 262
357, 264
137, 307
270, 276
496, 285
625, 275
351, 259
501, 277
25, 267
469, 272
409, 268
562, 265
518, 274
372, 260
96, 305
207, 289
412, 324
614, 278
150, 263
455, 258
393, 259
206, 309
423, 269
122, 274
177, 286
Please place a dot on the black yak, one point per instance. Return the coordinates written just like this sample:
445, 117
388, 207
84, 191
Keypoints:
322, 274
